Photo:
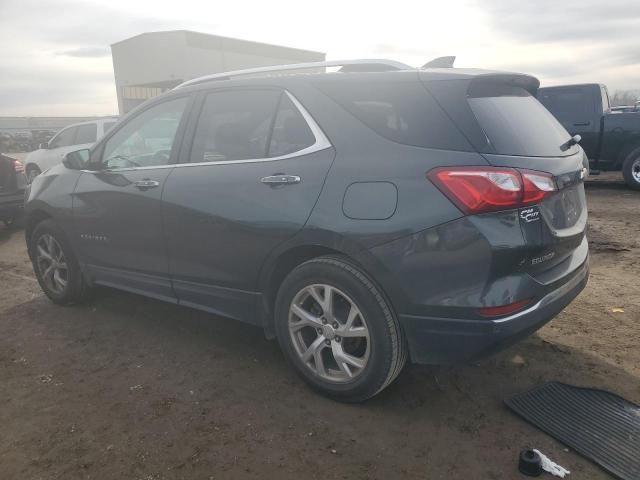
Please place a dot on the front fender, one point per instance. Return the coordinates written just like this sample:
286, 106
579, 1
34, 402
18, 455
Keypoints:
50, 195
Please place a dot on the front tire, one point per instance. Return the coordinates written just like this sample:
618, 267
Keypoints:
631, 169
338, 330
55, 265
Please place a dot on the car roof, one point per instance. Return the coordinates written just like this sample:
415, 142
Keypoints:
283, 78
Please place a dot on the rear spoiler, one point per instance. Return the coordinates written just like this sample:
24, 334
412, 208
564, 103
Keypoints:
528, 82
440, 62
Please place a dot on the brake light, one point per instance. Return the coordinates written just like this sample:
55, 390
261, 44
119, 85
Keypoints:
504, 309
18, 166
488, 189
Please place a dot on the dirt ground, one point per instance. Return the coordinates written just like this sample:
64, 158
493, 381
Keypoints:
129, 388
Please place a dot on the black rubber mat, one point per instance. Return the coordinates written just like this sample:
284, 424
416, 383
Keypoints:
599, 425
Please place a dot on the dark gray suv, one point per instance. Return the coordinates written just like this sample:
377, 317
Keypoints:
362, 217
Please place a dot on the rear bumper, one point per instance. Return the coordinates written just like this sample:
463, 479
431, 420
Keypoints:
447, 341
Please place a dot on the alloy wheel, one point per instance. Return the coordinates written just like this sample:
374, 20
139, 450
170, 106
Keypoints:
329, 333
51, 263
635, 170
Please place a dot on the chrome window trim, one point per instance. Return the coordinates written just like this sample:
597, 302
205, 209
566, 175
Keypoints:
321, 143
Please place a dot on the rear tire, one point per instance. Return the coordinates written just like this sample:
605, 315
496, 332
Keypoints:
338, 330
631, 169
55, 265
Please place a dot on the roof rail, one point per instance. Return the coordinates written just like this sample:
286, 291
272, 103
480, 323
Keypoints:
373, 64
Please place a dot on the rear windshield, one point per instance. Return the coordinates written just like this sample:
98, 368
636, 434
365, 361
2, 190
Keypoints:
515, 123
401, 111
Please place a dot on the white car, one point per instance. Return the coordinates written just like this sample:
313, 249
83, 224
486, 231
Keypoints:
73, 137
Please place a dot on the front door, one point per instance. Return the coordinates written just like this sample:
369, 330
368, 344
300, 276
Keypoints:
253, 174
117, 207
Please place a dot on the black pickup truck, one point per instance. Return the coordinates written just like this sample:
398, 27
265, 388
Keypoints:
610, 139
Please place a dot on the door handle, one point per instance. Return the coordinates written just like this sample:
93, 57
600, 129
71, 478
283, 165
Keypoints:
582, 124
280, 179
146, 184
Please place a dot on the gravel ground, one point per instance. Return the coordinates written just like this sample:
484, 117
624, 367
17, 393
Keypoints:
127, 387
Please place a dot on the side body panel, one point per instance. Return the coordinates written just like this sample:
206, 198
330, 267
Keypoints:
222, 220
364, 157
51, 194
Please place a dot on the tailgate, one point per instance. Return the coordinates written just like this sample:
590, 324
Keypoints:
555, 228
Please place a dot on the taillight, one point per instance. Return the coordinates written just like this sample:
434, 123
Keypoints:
504, 309
18, 166
537, 186
488, 189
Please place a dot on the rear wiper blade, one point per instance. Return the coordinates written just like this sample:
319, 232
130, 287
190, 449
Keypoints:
570, 143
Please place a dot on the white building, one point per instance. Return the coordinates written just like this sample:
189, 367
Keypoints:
150, 63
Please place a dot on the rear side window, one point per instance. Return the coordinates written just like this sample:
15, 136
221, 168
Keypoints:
515, 123
234, 125
64, 138
86, 134
403, 112
291, 133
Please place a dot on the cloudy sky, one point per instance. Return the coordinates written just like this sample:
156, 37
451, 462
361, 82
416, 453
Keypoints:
55, 57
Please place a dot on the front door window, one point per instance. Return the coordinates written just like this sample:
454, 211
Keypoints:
147, 140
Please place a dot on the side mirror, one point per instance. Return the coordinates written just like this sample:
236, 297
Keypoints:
44, 146
77, 160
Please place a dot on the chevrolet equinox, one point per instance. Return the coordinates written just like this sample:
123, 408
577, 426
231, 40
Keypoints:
363, 217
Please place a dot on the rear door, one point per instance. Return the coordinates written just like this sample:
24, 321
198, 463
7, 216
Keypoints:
117, 206
577, 108
249, 181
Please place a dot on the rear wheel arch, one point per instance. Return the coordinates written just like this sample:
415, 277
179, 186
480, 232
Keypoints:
280, 268
625, 151
288, 260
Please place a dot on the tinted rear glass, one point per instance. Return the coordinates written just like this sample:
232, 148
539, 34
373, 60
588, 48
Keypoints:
515, 123
400, 111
